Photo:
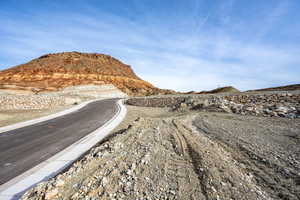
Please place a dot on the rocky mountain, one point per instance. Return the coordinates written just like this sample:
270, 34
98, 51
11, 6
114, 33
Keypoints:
53, 72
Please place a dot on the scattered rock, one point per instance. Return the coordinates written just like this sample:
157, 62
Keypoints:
51, 194
272, 105
192, 155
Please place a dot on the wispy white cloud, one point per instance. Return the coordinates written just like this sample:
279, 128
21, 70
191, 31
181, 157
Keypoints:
183, 57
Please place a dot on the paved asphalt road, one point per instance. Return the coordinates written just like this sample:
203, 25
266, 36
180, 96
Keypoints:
23, 148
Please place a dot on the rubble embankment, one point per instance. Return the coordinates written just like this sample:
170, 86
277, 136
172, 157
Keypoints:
30, 102
68, 96
283, 104
155, 101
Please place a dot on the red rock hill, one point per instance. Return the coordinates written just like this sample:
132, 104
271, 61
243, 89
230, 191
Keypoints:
55, 71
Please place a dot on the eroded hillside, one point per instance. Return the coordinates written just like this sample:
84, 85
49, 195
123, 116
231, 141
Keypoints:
52, 72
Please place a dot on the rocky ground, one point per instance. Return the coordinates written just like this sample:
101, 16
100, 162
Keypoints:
50, 100
170, 153
267, 104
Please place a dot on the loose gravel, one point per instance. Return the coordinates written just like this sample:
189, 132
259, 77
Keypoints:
161, 154
280, 104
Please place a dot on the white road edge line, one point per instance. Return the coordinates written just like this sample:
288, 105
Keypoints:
16, 187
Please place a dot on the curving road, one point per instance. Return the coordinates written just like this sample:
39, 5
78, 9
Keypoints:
23, 148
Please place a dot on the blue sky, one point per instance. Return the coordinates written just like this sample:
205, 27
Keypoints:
178, 44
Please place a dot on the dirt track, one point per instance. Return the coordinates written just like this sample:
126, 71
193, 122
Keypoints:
156, 154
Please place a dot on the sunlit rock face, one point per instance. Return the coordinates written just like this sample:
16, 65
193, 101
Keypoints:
54, 72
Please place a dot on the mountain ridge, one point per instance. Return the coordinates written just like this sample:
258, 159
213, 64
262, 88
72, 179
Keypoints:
279, 88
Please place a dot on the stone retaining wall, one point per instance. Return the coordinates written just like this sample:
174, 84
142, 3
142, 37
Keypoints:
68, 96
29, 102
155, 102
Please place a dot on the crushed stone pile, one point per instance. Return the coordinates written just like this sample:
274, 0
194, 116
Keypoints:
268, 105
276, 105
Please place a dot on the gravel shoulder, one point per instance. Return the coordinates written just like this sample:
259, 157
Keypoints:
161, 154
9, 117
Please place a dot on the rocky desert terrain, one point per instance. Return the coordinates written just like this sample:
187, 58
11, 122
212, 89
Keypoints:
18, 106
225, 146
218, 144
54, 82
273, 104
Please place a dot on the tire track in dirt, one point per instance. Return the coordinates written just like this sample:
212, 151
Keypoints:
164, 158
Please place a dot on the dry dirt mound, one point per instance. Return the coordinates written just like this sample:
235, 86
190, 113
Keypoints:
281, 88
279, 104
60, 70
226, 89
